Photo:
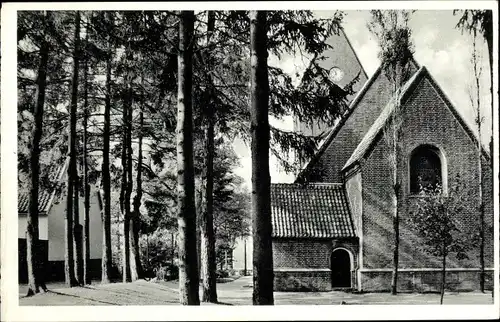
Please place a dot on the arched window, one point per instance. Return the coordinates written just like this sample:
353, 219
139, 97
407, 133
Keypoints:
425, 169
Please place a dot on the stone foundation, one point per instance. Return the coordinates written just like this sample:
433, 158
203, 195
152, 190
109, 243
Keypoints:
424, 280
305, 281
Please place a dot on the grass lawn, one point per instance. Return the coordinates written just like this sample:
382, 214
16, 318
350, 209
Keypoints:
237, 292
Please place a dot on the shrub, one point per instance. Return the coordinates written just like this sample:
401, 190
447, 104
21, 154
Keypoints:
222, 273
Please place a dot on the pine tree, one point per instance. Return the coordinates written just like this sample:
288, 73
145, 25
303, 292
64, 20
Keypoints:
137, 271
188, 261
106, 179
35, 274
86, 184
71, 178
263, 274
208, 266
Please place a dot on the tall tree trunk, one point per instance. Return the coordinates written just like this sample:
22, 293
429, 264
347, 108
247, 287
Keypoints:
208, 267
124, 193
77, 231
395, 224
188, 261
488, 35
106, 179
479, 166
135, 260
86, 186
443, 274
396, 185
77, 228
263, 274
477, 105
36, 278
70, 204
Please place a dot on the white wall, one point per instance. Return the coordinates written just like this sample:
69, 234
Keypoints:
42, 227
56, 227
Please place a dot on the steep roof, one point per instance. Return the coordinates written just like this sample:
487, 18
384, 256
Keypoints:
310, 211
45, 195
44, 201
341, 55
371, 136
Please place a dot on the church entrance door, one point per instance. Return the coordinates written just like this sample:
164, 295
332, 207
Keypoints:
340, 265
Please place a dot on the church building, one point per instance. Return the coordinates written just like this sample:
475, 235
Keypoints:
333, 227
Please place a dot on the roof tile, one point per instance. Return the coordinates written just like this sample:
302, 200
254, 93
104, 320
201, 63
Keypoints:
310, 211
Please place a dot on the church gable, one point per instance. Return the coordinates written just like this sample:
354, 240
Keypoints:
426, 110
327, 164
430, 123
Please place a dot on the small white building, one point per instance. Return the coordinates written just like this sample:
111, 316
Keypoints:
51, 223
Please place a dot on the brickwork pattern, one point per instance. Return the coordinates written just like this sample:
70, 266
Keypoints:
304, 265
301, 253
427, 120
421, 281
330, 163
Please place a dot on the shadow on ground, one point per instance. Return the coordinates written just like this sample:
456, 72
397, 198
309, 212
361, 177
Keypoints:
238, 292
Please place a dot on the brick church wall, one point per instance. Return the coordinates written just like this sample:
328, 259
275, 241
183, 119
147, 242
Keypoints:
304, 264
329, 165
427, 120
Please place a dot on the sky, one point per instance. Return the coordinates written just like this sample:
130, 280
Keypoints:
439, 46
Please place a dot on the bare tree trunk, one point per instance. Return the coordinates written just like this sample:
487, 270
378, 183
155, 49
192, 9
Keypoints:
106, 179
77, 228
86, 186
124, 193
443, 274
263, 274
477, 73
77, 232
488, 35
36, 278
70, 202
135, 260
395, 224
396, 185
188, 261
208, 268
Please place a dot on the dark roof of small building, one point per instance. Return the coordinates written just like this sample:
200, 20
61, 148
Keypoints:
45, 194
310, 211
44, 198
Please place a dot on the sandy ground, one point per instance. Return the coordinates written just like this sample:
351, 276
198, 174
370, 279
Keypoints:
238, 292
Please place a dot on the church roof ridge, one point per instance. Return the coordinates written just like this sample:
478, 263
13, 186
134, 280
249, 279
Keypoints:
374, 131
380, 122
335, 129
